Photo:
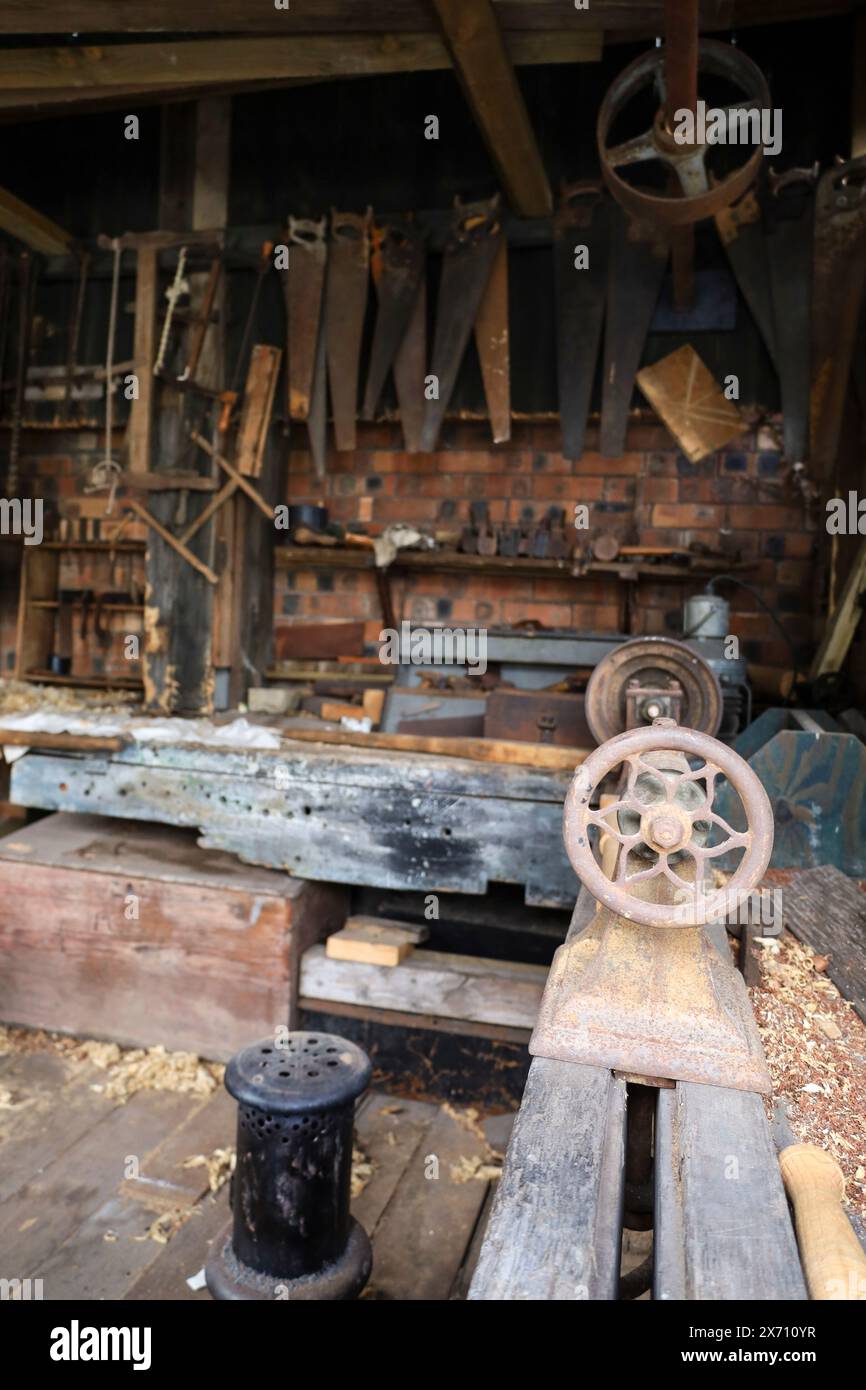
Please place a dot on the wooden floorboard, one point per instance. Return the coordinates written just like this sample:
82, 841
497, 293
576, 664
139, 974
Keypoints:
71, 1215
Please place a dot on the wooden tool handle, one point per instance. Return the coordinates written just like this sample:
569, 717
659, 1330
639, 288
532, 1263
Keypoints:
833, 1260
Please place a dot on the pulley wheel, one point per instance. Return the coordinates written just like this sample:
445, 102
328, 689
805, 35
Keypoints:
655, 662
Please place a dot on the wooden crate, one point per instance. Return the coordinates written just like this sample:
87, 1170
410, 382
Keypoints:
129, 931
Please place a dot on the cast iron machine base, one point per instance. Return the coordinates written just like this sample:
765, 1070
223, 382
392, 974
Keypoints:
291, 1236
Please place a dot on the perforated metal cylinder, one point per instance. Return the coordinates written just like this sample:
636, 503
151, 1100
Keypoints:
291, 1185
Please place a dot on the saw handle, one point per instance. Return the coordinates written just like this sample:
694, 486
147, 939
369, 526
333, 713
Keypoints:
833, 1259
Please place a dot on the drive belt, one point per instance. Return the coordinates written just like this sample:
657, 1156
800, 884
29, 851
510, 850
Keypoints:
839, 270
398, 264
582, 220
638, 257
470, 250
345, 307
303, 285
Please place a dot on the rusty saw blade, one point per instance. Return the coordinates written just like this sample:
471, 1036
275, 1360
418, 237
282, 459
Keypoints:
473, 240
491, 340
741, 231
581, 239
788, 207
410, 365
638, 257
303, 284
317, 419
345, 307
839, 270
398, 265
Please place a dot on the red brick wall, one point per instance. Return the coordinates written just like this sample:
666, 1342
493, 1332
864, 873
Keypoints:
652, 495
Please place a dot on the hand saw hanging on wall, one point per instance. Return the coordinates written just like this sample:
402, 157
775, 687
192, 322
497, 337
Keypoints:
581, 241
345, 307
741, 232
492, 343
303, 284
839, 273
788, 205
638, 257
398, 265
470, 251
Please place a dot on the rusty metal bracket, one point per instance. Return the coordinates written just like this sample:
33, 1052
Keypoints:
643, 990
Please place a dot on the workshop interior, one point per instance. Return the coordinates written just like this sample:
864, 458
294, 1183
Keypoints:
432, 667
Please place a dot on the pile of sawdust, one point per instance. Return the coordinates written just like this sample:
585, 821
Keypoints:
815, 1046
19, 697
129, 1069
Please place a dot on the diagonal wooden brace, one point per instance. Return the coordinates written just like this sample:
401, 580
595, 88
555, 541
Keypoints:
144, 515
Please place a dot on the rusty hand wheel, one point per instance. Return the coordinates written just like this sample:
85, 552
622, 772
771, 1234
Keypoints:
670, 826
688, 161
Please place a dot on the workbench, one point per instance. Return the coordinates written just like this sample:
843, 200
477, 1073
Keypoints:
371, 817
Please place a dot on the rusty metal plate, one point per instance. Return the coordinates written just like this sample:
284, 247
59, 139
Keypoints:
653, 662
492, 342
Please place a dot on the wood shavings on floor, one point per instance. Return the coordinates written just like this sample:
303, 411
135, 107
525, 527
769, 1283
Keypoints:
220, 1165
128, 1069
816, 1052
362, 1170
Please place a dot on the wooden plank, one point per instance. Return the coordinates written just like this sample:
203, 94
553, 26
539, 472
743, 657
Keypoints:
34, 639
431, 982
390, 1133
31, 227
334, 16
58, 1198
185, 1256
485, 70
421, 1239
231, 64
487, 750
105, 1253
96, 743
723, 1230
374, 941
843, 621
258, 404
827, 910
339, 815
554, 1230
434, 1022
140, 427
163, 1183
30, 1135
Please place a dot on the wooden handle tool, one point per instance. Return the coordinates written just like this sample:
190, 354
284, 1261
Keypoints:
833, 1260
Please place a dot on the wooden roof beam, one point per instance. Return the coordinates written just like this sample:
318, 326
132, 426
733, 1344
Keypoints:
36, 231
486, 73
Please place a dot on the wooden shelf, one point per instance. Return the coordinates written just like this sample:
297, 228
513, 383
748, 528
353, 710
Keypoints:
136, 547
104, 608
455, 562
49, 678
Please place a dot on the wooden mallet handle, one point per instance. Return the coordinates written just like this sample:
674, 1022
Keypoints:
833, 1259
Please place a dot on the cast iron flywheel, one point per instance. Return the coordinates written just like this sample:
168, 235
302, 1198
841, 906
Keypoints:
697, 199
653, 661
